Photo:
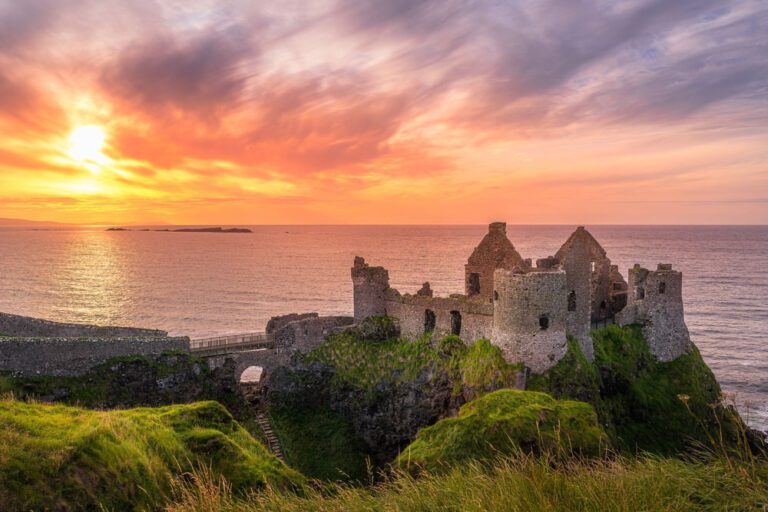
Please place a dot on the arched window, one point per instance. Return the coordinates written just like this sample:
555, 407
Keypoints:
543, 322
572, 301
455, 323
474, 283
429, 321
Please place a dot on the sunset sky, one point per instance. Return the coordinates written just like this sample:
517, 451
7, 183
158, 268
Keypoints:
373, 111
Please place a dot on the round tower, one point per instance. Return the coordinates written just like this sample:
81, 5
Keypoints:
529, 316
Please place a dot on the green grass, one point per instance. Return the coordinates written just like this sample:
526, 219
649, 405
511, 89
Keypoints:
363, 364
129, 381
505, 422
644, 404
522, 483
321, 444
61, 457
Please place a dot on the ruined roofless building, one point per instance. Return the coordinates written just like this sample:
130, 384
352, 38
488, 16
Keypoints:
527, 311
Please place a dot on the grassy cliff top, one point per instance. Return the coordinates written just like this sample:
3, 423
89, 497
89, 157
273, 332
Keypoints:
364, 364
60, 457
506, 422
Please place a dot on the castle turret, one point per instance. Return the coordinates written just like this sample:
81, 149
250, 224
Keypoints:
369, 289
529, 316
494, 251
656, 302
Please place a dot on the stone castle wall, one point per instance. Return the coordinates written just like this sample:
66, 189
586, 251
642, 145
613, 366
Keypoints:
522, 302
70, 357
307, 333
16, 325
410, 310
577, 266
370, 285
656, 302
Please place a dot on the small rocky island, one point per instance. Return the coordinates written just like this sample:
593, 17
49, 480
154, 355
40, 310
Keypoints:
189, 230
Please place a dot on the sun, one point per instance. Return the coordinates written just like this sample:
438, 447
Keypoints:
86, 144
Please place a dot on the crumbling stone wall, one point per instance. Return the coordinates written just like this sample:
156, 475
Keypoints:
369, 289
494, 251
278, 322
529, 316
69, 357
576, 263
606, 293
308, 332
656, 303
17, 325
411, 311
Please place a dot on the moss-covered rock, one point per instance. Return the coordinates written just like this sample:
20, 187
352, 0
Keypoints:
504, 422
644, 404
67, 458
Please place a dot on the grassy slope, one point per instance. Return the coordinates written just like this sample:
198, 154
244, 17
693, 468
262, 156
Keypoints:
637, 398
505, 422
522, 484
54, 456
363, 364
320, 444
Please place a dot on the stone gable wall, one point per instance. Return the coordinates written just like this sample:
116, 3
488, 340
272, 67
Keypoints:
70, 357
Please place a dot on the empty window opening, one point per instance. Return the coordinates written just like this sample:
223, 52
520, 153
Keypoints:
252, 375
455, 323
592, 266
474, 283
495, 295
662, 287
640, 292
429, 321
543, 322
572, 301
603, 305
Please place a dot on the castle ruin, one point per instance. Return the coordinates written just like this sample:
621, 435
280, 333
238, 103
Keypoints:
529, 311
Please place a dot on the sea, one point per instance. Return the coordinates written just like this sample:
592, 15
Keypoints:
210, 284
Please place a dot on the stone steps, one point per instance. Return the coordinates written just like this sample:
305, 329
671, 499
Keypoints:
272, 440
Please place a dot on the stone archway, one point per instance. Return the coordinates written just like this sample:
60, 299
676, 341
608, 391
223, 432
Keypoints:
253, 375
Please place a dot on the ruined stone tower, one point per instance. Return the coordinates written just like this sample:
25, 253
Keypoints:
576, 261
608, 288
369, 289
656, 302
529, 316
494, 251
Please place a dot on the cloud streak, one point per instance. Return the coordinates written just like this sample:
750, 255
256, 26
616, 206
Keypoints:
350, 101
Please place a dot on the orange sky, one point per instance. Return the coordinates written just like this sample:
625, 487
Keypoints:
407, 111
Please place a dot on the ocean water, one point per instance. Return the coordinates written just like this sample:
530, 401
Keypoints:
202, 284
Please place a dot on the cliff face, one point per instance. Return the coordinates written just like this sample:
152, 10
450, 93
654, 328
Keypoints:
389, 390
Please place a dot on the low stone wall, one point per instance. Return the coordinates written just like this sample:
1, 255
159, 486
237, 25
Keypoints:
69, 357
278, 322
17, 325
410, 310
306, 334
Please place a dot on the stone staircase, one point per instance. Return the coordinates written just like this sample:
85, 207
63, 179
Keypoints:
272, 440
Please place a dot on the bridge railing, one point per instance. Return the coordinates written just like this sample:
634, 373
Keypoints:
249, 340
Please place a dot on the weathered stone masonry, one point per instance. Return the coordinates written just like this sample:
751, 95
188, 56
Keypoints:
16, 325
529, 311
70, 357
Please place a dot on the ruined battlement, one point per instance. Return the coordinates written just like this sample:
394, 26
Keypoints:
528, 311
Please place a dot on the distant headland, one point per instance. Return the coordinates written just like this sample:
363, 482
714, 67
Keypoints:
190, 230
